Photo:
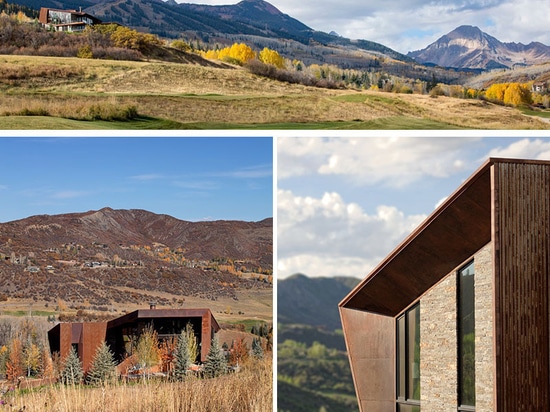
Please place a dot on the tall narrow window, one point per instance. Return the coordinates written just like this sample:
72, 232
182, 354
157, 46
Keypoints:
466, 339
408, 361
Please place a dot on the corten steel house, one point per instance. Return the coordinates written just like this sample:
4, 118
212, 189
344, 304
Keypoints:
66, 20
121, 333
457, 317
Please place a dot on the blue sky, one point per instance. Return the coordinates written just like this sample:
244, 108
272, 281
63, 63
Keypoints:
407, 25
344, 203
192, 179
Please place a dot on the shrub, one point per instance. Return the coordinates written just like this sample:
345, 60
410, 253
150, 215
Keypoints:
180, 45
85, 52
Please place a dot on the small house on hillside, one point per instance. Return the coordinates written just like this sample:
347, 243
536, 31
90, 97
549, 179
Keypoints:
539, 87
122, 333
66, 20
457, 317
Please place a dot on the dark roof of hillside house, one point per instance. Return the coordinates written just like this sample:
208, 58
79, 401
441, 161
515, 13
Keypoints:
458, 228
146, 314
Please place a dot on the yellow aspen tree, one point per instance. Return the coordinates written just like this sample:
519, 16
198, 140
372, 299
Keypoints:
269, 56
516, 94
496, 91
241, 52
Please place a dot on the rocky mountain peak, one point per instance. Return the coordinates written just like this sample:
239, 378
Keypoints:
470, 47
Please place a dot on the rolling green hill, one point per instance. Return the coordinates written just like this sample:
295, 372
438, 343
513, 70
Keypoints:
313, 370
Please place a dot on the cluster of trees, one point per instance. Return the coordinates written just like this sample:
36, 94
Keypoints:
316, 367
240, 53
22, 354
27, 37
22, 12
22, 351
513, 94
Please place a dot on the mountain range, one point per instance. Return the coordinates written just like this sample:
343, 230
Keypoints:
109, 256
469, 47
312, 366
260, 24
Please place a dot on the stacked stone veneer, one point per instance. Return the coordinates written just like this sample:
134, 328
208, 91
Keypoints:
438, 340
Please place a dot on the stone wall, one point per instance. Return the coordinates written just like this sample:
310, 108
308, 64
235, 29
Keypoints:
485, 379
438, 347
438, 337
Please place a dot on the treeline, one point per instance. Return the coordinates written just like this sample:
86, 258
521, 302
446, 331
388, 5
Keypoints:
24, 353
317, 368
17, 9
269, 63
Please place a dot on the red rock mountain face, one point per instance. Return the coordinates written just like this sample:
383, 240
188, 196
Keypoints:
469, 47
96, 253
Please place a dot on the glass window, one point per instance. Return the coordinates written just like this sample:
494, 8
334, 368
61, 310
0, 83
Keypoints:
466, 338
408, 360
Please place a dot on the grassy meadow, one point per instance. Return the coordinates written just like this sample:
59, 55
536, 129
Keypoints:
72, 93
249, 390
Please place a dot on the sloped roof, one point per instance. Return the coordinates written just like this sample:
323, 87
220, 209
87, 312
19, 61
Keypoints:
452, 233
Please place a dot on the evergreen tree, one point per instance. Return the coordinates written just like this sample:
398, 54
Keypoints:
257, 350
216, 364
72, 372
182, 357
103, 368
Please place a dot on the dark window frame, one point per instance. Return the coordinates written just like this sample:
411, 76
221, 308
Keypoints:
404, 400
459, 333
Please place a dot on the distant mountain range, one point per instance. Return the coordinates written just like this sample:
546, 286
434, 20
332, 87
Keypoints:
260, 24
469, 47
109, 256
307, 314
312, 301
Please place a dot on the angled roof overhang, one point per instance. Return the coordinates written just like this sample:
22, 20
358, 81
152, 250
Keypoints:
451, 234
146, 314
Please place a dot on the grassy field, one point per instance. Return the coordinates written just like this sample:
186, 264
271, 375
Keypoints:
250, 390
69, 93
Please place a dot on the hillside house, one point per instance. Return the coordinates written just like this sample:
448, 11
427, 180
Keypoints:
121, 333
66, 20
539, 87
457, 317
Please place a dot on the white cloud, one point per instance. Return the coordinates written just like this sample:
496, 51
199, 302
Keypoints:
323, 235
363, 161
538, 149
411, 25
327, 232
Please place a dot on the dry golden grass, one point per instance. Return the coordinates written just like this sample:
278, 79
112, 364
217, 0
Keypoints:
190, 94
250, 390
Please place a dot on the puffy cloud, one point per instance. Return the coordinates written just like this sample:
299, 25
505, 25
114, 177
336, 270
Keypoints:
393, 161
412, 25
324, 235
524, 149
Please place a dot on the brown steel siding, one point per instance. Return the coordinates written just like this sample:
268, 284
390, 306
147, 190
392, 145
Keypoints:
521, 232
205, 333
65, 339
43, 15
370, 341
93, 334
